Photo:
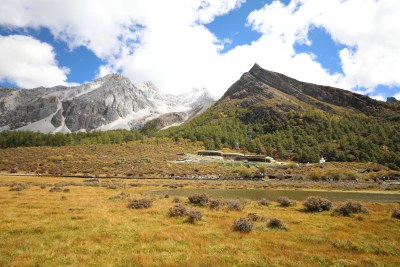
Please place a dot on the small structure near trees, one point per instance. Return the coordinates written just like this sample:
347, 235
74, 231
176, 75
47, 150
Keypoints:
236, 156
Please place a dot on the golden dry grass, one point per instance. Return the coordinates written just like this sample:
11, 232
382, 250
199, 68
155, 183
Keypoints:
84, 228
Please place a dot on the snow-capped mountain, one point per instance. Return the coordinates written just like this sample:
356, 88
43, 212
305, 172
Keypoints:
108, 103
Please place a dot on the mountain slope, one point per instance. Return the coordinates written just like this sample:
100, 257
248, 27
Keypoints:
111, 102
267, 112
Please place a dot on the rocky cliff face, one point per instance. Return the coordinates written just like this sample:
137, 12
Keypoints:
266, 92
111, 102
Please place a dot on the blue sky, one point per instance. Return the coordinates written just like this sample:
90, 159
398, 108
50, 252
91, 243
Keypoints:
77, 44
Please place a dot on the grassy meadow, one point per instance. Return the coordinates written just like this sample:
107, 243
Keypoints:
82, 226
162, 158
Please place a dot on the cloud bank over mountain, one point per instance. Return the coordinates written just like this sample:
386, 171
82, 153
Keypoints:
169, 43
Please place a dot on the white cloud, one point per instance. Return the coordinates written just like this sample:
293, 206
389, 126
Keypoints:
29, 63
167, 42
397, 96
380, 97
367, 27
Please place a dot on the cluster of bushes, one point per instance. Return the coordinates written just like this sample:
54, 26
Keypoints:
204, 200
179, 210
245, 224
18, 187
350, 207
318, 174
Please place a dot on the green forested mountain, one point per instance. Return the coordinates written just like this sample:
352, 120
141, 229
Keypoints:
267, 112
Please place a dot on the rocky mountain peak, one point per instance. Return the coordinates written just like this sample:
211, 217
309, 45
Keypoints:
260, 85
392, 100
110, 102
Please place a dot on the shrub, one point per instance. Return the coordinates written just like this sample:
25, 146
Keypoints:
55, 189
317, 204
262, 169
215, 204
253, 217
286, 202
55, 158
263, 202
234, 204
66, 190
243, 225
199, 199
350, 207
112, 186
317, 174
276, 223
120, 196
17, 188
176, 200
142, 203
244, 173
194, 216
396, 213
177, 210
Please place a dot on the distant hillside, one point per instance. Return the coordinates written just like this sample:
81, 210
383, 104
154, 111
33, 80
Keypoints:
267, 112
